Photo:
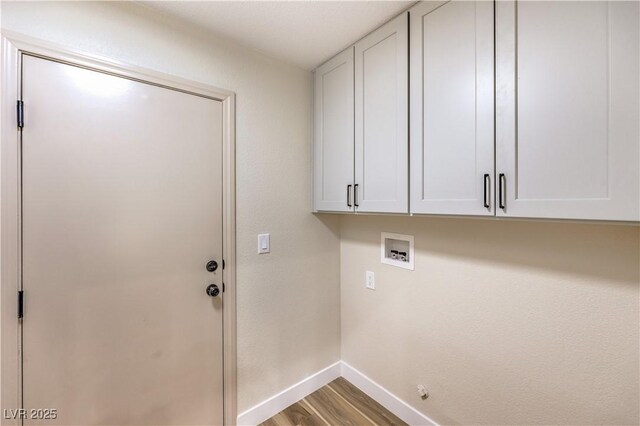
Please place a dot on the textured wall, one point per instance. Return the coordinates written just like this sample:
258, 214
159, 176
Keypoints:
505, 322
288, 301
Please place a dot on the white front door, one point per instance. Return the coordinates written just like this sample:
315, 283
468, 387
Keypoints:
121, 211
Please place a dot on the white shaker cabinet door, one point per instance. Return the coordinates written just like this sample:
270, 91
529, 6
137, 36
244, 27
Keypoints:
567, 109
381, 119
452, 108
333, 152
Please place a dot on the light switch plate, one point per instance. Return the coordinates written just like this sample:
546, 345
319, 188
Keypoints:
264, 245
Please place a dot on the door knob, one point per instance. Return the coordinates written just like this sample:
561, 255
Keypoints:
213, 290
212, 265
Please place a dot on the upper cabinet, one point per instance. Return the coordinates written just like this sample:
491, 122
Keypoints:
524, 109
333, 153
361, 147
381, 117
452, 138
567, 108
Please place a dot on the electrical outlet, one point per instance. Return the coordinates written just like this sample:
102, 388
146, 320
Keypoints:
370, 281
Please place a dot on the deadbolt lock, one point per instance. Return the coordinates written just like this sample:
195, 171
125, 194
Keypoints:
212, 265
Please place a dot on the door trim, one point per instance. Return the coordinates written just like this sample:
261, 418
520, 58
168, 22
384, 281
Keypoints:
13, 47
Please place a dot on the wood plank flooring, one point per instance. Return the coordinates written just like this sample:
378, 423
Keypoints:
337, 404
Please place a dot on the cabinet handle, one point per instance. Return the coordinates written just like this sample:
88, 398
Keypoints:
487, 182
348, 195
355, 195
501, 192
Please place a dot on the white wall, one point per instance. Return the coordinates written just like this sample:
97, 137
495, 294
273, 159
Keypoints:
505, 322
288, 301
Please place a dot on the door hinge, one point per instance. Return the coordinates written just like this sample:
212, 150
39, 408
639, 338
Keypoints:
20, 303
222, 263
223, 287
20, 111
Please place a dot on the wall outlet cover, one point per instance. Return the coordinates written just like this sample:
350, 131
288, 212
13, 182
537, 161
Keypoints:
370, 280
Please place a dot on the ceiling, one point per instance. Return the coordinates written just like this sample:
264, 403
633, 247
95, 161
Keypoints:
304, 33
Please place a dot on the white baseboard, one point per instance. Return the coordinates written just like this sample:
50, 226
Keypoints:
385, 398
289, 396
272, 406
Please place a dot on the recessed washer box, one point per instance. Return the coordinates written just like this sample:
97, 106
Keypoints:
397, 250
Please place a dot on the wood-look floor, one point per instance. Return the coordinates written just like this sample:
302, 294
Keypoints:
336, 404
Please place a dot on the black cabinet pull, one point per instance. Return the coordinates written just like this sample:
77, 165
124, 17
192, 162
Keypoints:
355, 194
487, 182
501, 192
348, 195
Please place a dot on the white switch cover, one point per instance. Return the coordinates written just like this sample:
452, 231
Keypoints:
370, 280
263, 243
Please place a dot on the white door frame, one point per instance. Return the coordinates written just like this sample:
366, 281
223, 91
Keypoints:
13, 47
